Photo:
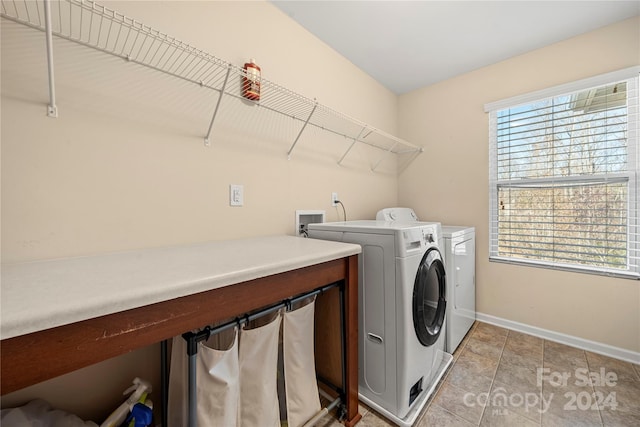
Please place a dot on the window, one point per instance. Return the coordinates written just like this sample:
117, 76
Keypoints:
564, 176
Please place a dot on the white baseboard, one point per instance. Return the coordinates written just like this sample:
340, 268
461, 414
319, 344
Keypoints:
593, 346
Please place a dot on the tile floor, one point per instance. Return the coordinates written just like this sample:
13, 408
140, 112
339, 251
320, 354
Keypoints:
505, 378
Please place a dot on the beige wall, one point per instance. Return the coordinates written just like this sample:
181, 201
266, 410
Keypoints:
449, 183
124, 165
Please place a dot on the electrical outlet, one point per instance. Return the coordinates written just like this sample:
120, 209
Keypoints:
334, 199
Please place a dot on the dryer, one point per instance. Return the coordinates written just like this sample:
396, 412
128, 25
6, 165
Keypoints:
459, 253
401, 312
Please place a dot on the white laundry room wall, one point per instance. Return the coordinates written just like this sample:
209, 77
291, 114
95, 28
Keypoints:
124, 165
450, 183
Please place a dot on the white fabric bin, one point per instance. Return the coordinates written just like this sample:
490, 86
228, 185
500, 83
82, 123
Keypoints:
303, 401
217, 383
258, 376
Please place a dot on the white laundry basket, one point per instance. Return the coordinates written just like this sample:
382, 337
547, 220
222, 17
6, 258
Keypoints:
237, 382
218, 385
258, 376
303, 401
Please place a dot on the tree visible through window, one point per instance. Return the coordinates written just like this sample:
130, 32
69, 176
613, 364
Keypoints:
564, 179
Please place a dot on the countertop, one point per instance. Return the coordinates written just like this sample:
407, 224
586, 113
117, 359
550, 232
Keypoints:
39, 295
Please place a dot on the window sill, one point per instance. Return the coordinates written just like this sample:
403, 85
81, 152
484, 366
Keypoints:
575, 269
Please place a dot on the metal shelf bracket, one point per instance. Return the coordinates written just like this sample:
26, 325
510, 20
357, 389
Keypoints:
52, 109
207, 141
386, 153
315, 105
352, 144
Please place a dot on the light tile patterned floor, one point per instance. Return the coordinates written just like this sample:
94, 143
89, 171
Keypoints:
505, 378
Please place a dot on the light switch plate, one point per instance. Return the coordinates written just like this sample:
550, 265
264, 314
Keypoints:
236, 195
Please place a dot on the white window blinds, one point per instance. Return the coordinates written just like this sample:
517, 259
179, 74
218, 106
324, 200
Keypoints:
564, 177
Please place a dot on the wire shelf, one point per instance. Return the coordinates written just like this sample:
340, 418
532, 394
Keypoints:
90, 24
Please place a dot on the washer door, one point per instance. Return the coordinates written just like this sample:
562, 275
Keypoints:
429, 303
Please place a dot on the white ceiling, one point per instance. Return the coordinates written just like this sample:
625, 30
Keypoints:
409, 44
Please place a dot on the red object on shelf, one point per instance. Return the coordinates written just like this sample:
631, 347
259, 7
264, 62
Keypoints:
251, 82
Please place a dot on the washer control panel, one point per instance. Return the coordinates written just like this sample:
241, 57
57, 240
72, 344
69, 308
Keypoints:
418, 238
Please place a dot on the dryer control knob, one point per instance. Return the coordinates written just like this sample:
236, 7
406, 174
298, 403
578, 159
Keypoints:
430, 238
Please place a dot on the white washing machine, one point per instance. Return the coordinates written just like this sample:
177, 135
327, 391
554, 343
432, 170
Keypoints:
459, 252
401, 312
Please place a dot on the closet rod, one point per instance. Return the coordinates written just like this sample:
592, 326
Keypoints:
205, 333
